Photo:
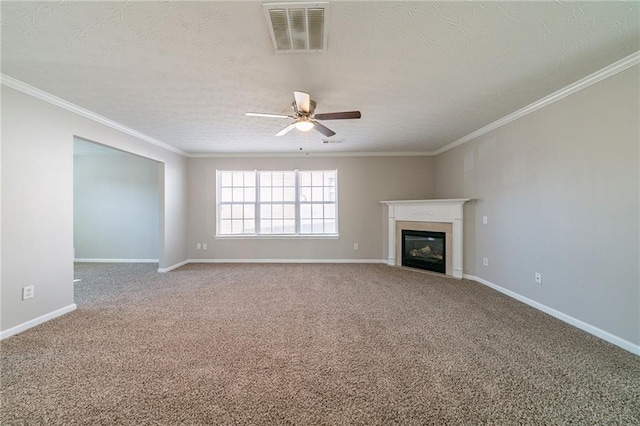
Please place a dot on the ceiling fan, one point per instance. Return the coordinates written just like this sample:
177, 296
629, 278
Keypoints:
305, 118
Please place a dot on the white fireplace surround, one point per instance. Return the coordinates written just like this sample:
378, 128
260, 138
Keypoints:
438, 211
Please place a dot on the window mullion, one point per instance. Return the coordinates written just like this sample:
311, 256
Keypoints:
297, 202
257, 203
218, 202
335, 201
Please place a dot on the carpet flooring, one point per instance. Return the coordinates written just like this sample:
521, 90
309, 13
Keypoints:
307, 344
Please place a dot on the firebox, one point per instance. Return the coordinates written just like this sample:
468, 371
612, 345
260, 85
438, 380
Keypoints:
424, 250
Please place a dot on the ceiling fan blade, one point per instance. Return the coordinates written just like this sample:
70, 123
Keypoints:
338, 115
323, 129
303, 101
286, 130
260, 114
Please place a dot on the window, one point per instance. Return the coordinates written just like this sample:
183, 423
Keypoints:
277, 202
237, 210
317, 202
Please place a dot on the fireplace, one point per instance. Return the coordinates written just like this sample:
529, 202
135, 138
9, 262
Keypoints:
424, 250
431, 216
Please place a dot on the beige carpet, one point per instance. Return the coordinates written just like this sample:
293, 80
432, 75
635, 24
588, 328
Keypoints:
307, 344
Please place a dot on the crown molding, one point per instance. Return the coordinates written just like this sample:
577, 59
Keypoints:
310, 154
604, 73
54, 100
59, 102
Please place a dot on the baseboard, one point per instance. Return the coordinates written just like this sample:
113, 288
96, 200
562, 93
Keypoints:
37, 321
604, 335
287, 261
186, 262
91, 260
172, 267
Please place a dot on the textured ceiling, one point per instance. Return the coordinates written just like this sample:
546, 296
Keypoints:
424, 74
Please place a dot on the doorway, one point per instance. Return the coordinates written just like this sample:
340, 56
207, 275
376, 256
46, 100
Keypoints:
116, 207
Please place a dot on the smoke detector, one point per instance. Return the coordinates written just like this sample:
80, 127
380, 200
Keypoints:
297, 27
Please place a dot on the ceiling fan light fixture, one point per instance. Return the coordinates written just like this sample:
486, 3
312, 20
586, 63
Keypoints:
305, 118
304, 125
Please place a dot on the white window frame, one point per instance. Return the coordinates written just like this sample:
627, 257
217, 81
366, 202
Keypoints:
257, 204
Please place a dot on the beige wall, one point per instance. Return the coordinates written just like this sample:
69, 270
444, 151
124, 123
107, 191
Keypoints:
37, 202
362, 183
560, 188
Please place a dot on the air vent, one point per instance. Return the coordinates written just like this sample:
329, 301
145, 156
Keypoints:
297, 26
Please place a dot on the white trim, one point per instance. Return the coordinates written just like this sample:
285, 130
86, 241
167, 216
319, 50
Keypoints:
36, 321
437, 210
189, 261
277, 237
172, 267
604, 335
606, 72
310, 154
435, 201
90, 260
54, 100
381, 261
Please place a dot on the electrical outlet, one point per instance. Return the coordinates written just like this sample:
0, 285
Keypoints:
204, 246
538, 278
355, 246
485, 261
198, 246
28, 292
485, 220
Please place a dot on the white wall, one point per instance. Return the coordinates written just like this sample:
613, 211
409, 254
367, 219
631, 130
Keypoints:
560, 188
116, 204
362, 183
37, 203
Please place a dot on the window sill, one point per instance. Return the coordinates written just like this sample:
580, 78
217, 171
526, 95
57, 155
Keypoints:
277, 237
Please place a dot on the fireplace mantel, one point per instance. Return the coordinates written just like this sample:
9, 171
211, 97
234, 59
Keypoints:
438, 211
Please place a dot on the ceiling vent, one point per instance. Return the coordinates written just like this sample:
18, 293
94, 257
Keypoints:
297, 27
